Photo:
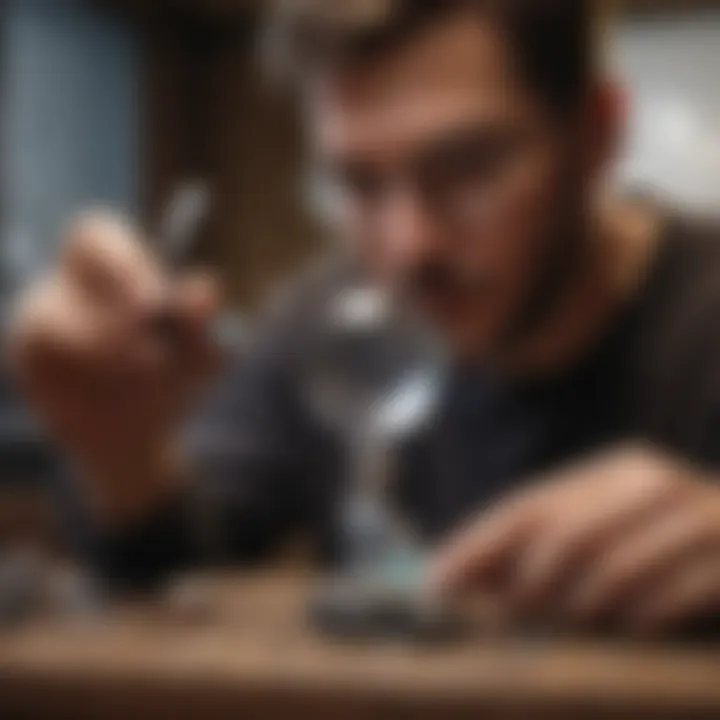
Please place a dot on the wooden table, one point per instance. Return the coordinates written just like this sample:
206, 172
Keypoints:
253, 656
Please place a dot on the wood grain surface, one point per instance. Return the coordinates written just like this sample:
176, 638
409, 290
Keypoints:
246, 651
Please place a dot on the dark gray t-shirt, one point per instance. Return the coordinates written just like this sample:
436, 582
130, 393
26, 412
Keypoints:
267, 469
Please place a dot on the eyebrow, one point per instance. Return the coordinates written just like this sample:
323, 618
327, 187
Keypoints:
449, 139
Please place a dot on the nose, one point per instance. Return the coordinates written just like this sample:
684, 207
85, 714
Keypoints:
410, 231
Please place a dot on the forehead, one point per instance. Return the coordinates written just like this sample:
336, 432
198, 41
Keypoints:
458, 70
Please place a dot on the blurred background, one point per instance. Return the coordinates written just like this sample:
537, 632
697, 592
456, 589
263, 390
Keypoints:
120, 102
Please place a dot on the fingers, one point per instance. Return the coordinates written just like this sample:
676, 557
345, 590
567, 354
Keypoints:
197, 299
195, 303
109, 389
106, 257
478, 551
97, 308
498, 538
603, 517
635, 563
611, 538
48, 325
690, 592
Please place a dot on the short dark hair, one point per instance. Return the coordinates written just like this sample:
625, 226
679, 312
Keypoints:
553, 40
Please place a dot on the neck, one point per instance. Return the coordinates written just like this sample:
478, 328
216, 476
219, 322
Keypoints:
607, 275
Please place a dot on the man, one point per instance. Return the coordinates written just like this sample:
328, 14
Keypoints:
466, 144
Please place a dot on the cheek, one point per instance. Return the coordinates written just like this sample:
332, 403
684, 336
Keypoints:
367, 246
373, 242
358, 234
524, 215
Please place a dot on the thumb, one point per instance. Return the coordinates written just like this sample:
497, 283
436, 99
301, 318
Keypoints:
197, 301
194, 305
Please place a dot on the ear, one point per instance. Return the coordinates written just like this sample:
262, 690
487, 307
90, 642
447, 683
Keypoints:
606, 120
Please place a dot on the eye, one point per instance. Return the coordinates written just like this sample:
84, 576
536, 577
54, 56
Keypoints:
467, 160
467, 163
360, 184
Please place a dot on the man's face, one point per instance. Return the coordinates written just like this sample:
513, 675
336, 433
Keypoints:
452, 180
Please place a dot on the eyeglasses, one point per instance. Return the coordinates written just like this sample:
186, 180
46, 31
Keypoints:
463, 180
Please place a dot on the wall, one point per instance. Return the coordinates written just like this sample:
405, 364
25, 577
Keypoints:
212, 117
671, 67
69, 101
69, 138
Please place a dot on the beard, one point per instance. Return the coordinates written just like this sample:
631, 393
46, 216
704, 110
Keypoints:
555, 273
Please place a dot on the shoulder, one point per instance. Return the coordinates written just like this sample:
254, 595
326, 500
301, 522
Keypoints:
677, 351
682, 303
